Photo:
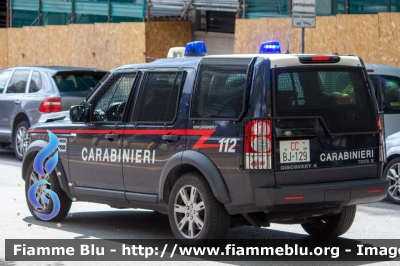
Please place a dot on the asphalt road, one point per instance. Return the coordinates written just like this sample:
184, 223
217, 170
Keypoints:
378, 220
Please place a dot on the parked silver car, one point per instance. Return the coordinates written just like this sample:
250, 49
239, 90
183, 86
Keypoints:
28, 92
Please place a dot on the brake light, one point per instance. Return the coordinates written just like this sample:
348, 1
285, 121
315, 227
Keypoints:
258, 144
50, 105
370, 70
319, 59
382, 153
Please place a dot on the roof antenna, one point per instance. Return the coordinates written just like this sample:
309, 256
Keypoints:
288, 44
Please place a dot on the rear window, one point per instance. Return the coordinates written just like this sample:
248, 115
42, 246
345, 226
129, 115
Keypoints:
77, 83
339, 96
390, 92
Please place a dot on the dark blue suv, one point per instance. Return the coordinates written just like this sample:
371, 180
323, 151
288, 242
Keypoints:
221, 141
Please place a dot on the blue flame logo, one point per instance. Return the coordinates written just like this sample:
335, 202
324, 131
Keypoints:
44, 168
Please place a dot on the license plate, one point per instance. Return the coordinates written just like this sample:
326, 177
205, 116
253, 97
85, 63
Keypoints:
294, 151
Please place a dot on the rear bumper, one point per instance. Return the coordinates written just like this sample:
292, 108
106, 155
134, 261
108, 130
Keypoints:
319, 195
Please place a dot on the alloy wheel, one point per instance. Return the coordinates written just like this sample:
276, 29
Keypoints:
394, 179
189, 211
20, 141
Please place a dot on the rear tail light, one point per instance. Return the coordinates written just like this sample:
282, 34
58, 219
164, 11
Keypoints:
258, 144
380, 131
294, 197
50, 105
382, 153
378, 190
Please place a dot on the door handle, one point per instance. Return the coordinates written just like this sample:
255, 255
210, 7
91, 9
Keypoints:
170, 137
111, 136
17, 101
295, 132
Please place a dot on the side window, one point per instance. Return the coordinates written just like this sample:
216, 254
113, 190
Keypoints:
36, 82
159, 97
3, 79
377, 88
222, 97
109, 103
391, 93
220, 89
18, 81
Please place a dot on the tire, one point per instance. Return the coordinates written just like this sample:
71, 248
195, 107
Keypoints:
65, 202
206, 216
19, 136
391, 173
332, 226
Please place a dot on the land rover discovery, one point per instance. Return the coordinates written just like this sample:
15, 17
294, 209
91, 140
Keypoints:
222, 141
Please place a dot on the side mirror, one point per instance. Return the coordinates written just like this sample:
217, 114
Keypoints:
77, 113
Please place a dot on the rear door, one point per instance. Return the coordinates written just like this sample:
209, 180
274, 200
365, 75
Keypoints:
325, 118
156, 132
217, 107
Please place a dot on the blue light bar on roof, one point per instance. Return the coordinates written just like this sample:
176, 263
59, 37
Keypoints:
270, 47
195, 49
